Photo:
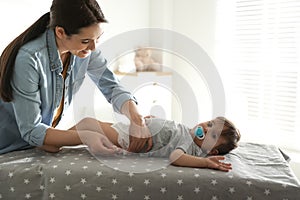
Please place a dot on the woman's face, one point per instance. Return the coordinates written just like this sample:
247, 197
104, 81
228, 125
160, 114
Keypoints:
83, 43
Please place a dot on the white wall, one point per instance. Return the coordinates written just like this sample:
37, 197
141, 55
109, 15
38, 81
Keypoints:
17, 15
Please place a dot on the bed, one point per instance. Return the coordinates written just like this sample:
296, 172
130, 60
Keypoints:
259, 172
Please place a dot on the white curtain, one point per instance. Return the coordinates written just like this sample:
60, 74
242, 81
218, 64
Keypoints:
258, 54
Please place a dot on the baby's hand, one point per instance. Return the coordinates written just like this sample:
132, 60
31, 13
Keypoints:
214, 162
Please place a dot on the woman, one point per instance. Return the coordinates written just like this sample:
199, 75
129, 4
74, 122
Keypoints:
42, 69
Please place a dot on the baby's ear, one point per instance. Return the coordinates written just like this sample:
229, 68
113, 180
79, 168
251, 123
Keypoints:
213, 152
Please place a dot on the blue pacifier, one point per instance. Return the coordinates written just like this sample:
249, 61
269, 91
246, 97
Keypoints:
199, 133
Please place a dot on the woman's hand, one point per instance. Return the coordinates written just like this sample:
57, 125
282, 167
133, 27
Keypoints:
97, 143
214, 162
139, 134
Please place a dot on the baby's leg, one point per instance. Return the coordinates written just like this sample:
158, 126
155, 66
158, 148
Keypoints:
104, 128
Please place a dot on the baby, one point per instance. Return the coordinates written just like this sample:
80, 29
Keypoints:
184, 146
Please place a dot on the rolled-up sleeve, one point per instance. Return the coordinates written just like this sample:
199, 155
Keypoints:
27, 100
107, 82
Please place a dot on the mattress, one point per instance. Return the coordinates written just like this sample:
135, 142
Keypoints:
259, 172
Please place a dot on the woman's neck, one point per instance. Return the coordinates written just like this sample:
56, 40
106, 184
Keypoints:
65, 57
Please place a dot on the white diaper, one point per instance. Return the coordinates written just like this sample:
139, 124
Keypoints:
123, 131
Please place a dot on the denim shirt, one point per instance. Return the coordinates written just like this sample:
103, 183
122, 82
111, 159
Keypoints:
38, 88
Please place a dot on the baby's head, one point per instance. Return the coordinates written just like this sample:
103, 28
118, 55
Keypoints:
221, 136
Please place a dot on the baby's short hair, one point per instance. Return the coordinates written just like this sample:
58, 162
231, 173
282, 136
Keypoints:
231, 135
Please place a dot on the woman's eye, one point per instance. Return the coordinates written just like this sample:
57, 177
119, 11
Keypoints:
209, 124
85, 41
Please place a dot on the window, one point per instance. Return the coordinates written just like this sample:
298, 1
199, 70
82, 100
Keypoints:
258, 54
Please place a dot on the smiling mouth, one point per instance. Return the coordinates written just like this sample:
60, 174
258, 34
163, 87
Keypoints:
85, 51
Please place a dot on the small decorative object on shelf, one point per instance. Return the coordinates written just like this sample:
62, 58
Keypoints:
144, 60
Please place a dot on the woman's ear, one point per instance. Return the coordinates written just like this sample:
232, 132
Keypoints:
60, 32
213, 152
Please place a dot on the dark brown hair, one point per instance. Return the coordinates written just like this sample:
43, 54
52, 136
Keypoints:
231, 135
72, 15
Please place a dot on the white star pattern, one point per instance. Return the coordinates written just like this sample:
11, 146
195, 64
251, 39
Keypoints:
52, 180
214, 198
98, 189
163, 175
197, 190
249, 183
68, 172
99, 173
267, 192
10, 174
163, 190
231, 190
42, 187
26, 181
85, 167
130, 189
114, 196
249, 198
214, 182
83, 180
147, 197
179, 197
114, 181
27, 196
12, 189
147, 182
197, 175
179, 182
83, 196
51, 195
68, 187
130, 174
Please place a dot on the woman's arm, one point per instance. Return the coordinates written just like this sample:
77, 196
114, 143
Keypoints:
59, 138
179, 158
97, 142
121, 99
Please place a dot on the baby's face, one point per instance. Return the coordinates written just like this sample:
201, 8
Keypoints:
212, 139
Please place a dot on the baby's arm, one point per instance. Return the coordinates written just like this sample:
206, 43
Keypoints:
179, 158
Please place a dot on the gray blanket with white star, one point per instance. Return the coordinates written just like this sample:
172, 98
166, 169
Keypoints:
259, 172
